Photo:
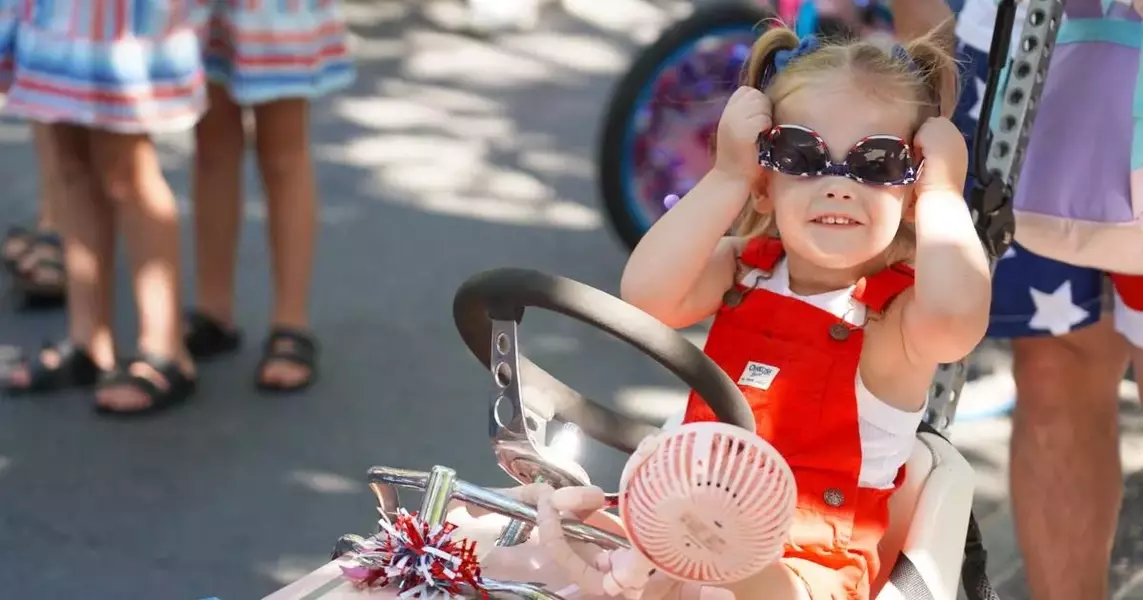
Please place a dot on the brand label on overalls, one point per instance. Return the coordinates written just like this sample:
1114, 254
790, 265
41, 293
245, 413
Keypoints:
758, 375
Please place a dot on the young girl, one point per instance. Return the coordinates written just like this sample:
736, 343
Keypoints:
103, 76
843, 177
271, 58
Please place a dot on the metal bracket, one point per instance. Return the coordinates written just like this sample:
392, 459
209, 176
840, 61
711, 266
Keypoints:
1015, 110
1017, 105
519, 439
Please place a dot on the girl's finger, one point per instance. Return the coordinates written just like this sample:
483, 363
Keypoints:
579, 501
551, 533
527, 494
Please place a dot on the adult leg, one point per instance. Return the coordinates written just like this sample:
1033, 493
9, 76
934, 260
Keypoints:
132, 178
1065, 472
283, 143
220, 145
1065, 469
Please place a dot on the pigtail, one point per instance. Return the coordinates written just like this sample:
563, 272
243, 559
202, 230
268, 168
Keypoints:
760, 67
938, 70
758, 72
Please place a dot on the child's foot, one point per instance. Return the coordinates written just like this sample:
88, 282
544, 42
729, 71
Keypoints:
16, 243
39, 273
56, 367
145, 385
207, 337
289, 361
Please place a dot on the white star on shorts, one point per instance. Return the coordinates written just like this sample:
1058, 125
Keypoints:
981, 87
1056, 312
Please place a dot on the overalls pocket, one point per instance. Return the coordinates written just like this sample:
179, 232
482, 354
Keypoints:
768, 368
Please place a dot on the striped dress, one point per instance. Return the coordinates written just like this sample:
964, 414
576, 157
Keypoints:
266, 50
128, 66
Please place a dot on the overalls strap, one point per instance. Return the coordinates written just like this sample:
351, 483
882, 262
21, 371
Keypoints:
762, 252
879, 289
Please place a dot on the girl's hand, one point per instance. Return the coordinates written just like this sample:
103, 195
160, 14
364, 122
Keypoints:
942, 147
747, 114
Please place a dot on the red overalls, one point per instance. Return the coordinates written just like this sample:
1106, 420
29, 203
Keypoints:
797, 366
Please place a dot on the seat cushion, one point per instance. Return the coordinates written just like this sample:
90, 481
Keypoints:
901, 508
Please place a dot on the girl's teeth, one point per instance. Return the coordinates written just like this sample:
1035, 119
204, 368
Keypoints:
835, 220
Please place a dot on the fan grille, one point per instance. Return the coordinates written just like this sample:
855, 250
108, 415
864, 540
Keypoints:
710, 503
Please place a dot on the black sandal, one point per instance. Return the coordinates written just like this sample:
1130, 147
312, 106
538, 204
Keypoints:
178, 389
15, 234
288, 345
75, 369
208, 338
28, 280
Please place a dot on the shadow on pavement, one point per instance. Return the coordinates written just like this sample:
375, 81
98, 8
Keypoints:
450, 155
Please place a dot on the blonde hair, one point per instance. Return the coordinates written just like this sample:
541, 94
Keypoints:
921, 67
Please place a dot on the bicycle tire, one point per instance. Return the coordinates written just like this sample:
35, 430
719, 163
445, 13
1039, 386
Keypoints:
613, 150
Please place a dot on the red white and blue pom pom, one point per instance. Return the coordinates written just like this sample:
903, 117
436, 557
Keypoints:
420, 561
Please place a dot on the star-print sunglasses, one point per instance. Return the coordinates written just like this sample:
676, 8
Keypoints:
875, 160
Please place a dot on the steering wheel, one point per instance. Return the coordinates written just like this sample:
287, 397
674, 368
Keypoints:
487, 309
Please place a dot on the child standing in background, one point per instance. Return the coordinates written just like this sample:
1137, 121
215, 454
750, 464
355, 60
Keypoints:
103, 77
271, 57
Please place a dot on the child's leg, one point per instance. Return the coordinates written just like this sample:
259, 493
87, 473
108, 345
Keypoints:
15, 246
220, 144
51, 184
779, 581
132, 178
282, 142
39, 259
87, 219
87, 224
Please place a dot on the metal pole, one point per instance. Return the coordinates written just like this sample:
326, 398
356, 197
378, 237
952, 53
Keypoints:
1015, 110
438, 491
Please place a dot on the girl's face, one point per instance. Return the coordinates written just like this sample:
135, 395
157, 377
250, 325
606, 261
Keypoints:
830, 220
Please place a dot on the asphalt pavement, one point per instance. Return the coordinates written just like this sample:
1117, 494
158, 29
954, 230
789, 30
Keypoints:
450, 155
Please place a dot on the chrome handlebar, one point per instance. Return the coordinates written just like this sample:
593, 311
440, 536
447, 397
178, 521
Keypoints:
441, 486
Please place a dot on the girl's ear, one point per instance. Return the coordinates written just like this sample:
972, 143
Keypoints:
760, 195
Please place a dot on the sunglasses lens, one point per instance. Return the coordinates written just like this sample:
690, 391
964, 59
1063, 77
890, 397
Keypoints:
796, 152
881, 160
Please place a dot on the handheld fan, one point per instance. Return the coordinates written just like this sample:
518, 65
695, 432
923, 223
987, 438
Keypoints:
708, 503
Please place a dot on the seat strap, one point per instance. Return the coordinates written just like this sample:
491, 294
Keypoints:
908, 580
973, 575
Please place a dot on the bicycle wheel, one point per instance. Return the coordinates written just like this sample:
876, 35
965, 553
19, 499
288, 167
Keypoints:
663, 114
